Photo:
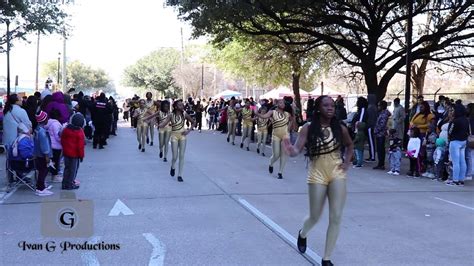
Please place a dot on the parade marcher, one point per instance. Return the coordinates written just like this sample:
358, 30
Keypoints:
164, 133
150, 131
178, 135
280, 124
142, 124
198, 110
324, 137
189, 109
126, 109
247, 124
262, 130
231, 120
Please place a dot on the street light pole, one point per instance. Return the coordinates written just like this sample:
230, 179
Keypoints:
8, 58
59, 65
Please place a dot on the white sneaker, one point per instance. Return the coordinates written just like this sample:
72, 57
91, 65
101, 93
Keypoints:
44, 192
425, 174
395, 173
390, 172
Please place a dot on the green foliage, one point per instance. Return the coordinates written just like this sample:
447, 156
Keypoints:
80, 76
366, 35
154, 71
25, 18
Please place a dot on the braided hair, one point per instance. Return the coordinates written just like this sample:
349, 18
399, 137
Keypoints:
315, 144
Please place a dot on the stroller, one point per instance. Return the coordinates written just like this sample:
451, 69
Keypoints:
21, 170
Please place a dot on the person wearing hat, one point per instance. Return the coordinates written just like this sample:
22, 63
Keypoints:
73, 142
43, 153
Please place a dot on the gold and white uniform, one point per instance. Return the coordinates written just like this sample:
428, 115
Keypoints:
280, 125
177, 127
325, 167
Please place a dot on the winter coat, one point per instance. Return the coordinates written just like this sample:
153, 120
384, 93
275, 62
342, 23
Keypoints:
42, 143
73, 142
10, 123
58, 104
54, 129
381, 125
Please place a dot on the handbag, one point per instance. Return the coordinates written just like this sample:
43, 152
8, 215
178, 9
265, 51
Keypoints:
470, 138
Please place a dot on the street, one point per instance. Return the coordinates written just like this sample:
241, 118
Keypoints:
230, 211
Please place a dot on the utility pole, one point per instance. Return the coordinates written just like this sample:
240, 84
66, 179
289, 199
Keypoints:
8, 58
37, 62
59, 64
408, 68
182, 60
64, 70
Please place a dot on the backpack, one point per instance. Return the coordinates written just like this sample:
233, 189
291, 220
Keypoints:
23, 148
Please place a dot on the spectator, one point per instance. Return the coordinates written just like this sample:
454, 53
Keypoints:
470, 148
398, 118
13, 116
341, 113
422, 119
416, 108
380, 133
57, 102
43, 153
413, 151
309, 109
371, 122
439, 156
395, 152
359, 142
72, 139
430, 146
361, 115
54, 129
457, 135
31, 108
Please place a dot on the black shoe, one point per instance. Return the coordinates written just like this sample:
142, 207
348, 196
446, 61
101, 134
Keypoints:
241, 145
172, 172
161, 154
263, 154
258, 151
101, 147
280, 176
228, 139
151, 143
143, 150
164, 160
139, 146
326, 263
301, 243
180, 179
105, 143
233, 143
248, 149
379, 167
94, 147
72, 187
147, 140
270, 169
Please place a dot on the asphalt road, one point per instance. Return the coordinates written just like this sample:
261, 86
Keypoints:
230, 211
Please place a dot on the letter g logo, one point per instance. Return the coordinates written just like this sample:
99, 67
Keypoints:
67, 218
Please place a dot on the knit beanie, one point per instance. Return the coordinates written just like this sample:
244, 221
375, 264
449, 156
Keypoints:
440, 142
41, 116
78, 120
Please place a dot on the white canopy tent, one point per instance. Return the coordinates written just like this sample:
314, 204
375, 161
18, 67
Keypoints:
281, 92
227, 94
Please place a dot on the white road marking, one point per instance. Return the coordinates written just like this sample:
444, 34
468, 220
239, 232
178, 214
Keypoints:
119, 208
7, 195
282, 233
89, 258
457, 204
157, 257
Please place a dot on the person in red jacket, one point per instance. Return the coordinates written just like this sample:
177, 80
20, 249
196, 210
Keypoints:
73, 142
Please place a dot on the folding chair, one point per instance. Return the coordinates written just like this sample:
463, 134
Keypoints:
21, 172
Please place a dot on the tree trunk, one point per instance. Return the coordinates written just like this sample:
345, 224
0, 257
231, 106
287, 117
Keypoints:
418, 74
296, 89
371, 81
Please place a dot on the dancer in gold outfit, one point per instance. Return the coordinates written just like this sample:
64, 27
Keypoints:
247, 124
177, 120
324, 137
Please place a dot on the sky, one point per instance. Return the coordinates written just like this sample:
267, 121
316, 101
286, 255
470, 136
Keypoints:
107, 34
